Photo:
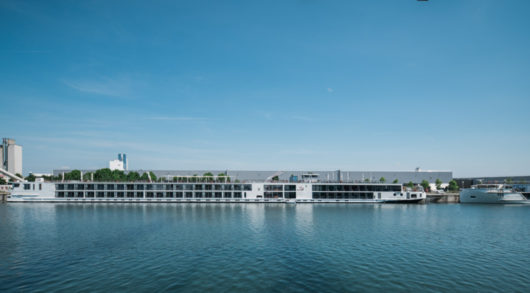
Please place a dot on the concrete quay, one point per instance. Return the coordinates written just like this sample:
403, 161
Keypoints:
443, 198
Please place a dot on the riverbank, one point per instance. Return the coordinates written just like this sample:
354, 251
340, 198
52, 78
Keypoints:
443, 198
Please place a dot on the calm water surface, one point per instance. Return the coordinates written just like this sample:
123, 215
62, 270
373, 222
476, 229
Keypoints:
264, 247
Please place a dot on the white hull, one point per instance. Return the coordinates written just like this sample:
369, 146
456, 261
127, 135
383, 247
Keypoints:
491, 196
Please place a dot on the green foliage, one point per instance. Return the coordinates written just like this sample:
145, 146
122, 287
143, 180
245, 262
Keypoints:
438, 183
395, 181
87, 176
144, 177
31, 178
382, 179
207, 177
221, 177
153, 176
367, 180
425, 185
275, 178
410, 184
2, 181
19, 175
103, 175
133, 176
453, 186
509, 180
73, 175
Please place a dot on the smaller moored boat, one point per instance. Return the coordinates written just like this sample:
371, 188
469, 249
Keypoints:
492, 193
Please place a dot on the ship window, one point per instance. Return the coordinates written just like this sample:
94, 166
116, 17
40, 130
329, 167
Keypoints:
159, 194
228, 187
101, 194
27, 186
60, 194
70, 187
40, 186
120, 194
218, 194
110, 186
101, 186
228, 194
90, 187
169, 194
149, 194
178, 187
237, 194
130, 186
189, 194
90, 194
179, 194
120, 187
208, 194
247, 187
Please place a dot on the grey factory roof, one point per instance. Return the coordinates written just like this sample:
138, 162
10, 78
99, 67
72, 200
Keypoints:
248, 175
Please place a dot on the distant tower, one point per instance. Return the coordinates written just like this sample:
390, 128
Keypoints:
125, 165
123, 159
11, 156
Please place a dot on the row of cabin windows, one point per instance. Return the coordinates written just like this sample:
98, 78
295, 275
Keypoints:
153, 194
279, 187
244, 187
274, 194
356, 187
343, 195
29, 186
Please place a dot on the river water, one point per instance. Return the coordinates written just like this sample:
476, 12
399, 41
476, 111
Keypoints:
264, 247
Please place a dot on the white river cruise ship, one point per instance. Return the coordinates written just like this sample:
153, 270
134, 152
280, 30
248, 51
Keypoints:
262, 192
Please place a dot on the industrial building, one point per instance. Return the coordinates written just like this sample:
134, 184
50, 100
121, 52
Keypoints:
416, 176
120, 163
11, 156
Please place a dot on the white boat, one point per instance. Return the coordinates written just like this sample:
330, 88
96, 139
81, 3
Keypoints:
492, 193
244, 192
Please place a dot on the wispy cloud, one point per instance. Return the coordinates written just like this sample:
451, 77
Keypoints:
114, 87
175, 118
301, 118
330, 90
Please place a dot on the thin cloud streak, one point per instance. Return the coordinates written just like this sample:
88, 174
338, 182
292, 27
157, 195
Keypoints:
107, 87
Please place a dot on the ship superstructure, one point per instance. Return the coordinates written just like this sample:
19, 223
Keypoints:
78, 191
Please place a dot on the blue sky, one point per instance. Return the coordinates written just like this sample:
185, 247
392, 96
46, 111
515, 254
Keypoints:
268, 85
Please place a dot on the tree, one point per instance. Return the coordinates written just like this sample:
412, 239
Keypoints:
103, 175
410, 184
221, 177
276, 178
87, 176
509, 180
133, 176
395, 181
2, 181
31, 178
144, 177
453, 186
19, 175
208, 177
425, 185
438, 184
153, 176
367, 180
73, 175
382, 180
